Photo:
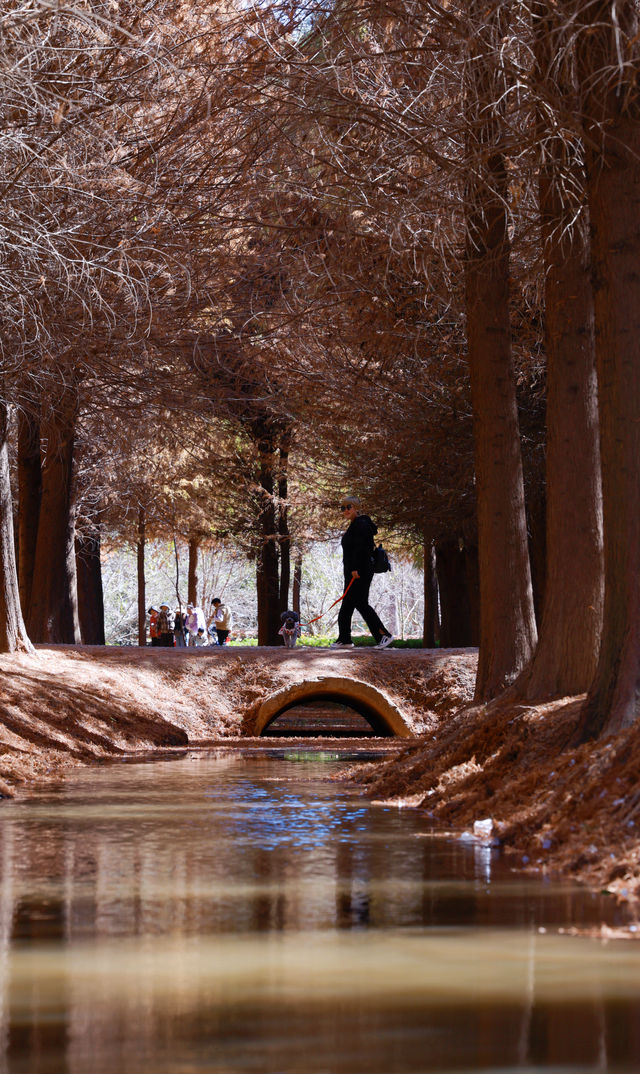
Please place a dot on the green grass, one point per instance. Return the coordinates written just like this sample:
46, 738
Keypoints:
363, 641
400, 643
322, 641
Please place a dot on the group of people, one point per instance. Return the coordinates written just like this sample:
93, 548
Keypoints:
190, 627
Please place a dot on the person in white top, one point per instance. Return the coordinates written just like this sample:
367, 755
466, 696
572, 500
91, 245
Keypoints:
221, 620
196, 626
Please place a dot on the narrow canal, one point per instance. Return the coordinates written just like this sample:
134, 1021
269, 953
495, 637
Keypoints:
244, 911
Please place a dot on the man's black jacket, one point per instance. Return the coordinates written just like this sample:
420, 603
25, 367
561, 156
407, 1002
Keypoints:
358, 546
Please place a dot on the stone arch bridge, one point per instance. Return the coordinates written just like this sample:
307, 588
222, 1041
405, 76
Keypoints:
235, 692
396, 691
383, 715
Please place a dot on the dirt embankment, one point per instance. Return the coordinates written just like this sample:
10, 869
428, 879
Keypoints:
553, 807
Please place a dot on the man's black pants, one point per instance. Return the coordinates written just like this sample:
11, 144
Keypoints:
357, 599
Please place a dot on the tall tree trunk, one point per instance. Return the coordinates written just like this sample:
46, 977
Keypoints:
13, 635
537, 526
507, 621
472, 572
53, 601
283, 522
567, 651
297, 584
268, 582
72, 575
29, 494
142, 595
90, 594
431, 625
455, 612
192, 583
612, 128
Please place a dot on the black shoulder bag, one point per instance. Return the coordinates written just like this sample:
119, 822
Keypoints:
380, 561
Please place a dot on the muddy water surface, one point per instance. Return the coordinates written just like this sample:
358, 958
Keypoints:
239, 911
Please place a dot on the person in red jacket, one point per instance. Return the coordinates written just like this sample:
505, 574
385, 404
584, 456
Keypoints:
357, 554
164, 626
153, 614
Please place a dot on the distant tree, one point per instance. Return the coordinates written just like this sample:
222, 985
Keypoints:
13, 635
53, 612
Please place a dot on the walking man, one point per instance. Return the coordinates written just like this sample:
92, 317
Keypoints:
357, 554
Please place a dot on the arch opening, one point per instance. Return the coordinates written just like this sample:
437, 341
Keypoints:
378, 711
325, 716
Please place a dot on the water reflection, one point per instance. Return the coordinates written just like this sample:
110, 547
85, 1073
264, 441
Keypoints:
243, 913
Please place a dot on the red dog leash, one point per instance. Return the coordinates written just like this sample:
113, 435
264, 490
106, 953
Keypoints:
331, 605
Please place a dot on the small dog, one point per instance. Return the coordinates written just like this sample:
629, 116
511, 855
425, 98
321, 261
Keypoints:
290, 628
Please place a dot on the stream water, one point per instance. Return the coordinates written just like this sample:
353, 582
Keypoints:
241, 911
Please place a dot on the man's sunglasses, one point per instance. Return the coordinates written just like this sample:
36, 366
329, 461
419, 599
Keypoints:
345, 506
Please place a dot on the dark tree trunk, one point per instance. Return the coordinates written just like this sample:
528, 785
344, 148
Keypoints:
612, 120
566, 655
283, 522
192, 583
537, 522
52, 616
142, 597
455, 612
29, 494
472, 570
431, 627
13, 635
507, 620
297, 584
90, 594
267, 578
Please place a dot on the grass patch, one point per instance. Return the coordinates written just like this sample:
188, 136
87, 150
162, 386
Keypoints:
323, 641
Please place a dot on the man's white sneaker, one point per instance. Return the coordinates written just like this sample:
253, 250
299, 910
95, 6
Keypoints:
385, 641
341, 645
